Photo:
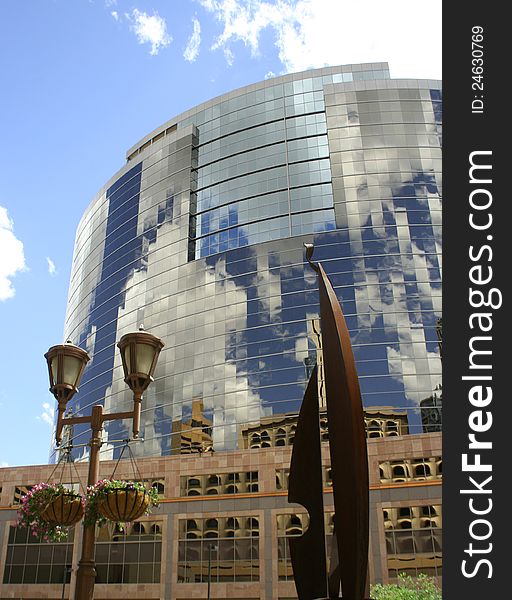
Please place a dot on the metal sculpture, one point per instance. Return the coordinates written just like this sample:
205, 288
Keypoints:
306, 466
349, 463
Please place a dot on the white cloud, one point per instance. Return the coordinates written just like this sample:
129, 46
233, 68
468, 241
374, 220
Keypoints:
115, 15
3, 464
47, 414
229, 56
12, 255
192, 50
315, 33
51, 266
270, 74
244, 20
150, 29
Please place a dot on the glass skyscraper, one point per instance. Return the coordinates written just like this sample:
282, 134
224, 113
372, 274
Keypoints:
199, 237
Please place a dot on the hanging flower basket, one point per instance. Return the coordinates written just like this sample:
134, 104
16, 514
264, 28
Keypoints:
119, 501
48, 509
67, 509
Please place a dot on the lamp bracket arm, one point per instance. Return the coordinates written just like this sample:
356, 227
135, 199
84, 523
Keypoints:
75, 420
118, 415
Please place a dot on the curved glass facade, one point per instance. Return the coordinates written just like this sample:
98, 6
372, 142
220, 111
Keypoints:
200, 238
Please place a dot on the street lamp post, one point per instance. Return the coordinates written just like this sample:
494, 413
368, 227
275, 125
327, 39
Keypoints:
66, 363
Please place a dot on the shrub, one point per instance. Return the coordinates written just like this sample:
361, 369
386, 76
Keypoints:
408, 588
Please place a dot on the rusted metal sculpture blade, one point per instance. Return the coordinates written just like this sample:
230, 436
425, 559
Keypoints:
347, 442
305, 487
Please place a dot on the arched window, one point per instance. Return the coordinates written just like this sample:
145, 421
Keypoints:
232, 523
422, 470
295, 521
160, 488
211, 534
406, 545
138, 528
438, 542
428, 511
390, 545
398, 471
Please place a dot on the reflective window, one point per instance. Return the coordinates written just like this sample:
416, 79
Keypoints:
129, 556
282, 476
219, 483
413, 541
292, 525
223, 549
414, 469
202, 243
20, 491
30, 560
241, 164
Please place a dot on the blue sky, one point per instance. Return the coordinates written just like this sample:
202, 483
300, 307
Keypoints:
81, 81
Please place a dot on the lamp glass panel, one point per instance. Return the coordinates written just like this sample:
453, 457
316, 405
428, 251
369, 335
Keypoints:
72, 366
127, 359
145, 354
53, 366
